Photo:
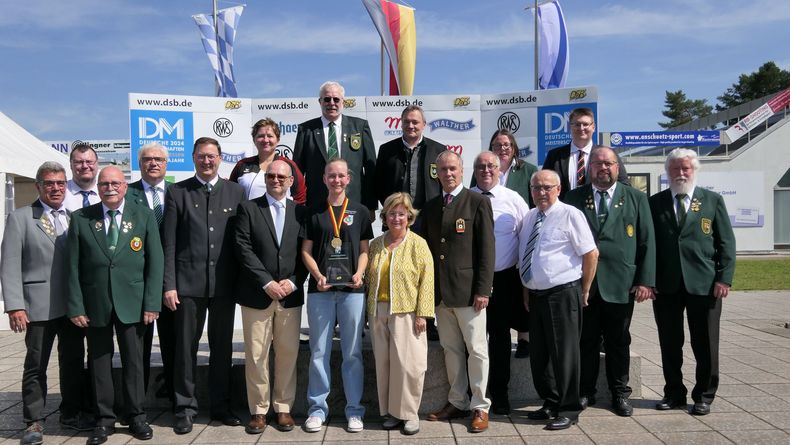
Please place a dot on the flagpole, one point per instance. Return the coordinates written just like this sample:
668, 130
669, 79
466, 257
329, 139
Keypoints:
536, 45
218, 87
381, 60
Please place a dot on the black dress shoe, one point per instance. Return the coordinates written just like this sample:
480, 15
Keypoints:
622, 407
586, 401
227, 418
544, 413
100, 435
666, 404
141, 430
560, 423
501, 408
522, 349
700, 409
183, 425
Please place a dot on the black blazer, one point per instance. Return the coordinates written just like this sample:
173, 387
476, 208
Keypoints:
557, 159
262, 259
392, 166
310, 156
461, 239
197, 237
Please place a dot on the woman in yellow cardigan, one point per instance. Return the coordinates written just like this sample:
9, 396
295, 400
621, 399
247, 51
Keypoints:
400, 298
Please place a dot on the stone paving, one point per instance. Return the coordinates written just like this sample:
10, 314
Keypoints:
752, 406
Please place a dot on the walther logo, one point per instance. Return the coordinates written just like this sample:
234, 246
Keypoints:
577, 94
232, 104
462, 101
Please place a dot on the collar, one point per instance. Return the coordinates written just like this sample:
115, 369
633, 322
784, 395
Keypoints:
161, 185
213, 181
412, 147
75, 189
271, 200
338, 122
48, 209
610, 190
105, 209
586, 149
494, 191
690, 193
455, 192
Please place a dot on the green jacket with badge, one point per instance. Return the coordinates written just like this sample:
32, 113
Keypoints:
127, 280
700, 251
626, 241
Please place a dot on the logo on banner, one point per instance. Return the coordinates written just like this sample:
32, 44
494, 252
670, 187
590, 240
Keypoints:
577, 94
172, 129
458, 149
232, 158
452, 125
349, 103
284, 151
393, 126
462, 101
509, 121
553, 127
287, 128
232, 104
616, 139
160, 128
223, 127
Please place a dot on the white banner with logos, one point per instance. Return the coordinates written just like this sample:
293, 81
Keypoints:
465, 123
110, 152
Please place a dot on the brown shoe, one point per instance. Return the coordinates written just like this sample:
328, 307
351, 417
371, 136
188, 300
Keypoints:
284, 422
479, 422
256, 425
448, 412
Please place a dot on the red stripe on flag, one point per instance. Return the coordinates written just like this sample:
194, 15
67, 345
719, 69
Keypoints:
392, 12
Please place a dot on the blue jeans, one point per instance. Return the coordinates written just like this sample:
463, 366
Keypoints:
322, 308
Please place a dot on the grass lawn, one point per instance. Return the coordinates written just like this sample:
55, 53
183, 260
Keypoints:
761, 274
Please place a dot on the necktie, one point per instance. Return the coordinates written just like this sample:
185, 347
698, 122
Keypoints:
603, 207
332, 152
487, 193
208, 187
448, 198
56, 222
85, 201
526, 268
112, 231
157, 204
681, 209
580, 170
279, 220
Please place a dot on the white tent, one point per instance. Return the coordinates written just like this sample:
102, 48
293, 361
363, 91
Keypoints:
21, 154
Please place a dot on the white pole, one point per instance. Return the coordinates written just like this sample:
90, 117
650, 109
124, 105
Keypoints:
537, 86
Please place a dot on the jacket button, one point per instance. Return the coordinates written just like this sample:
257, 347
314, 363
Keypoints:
210, 212
210, 229
442, 240
441, 257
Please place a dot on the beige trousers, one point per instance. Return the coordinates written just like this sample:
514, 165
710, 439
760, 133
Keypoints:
263, 328
461, 329
401, 362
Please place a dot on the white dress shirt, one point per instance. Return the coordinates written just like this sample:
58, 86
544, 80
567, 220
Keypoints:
149, 193
213, 181
564, 238
73, 199
118, 217
573, 162
62, 218
686, 202
509, 212
338, 132
503, 176
597, 197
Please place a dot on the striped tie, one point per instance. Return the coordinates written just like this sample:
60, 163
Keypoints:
332, 152
580, 170
157, 204
526, 262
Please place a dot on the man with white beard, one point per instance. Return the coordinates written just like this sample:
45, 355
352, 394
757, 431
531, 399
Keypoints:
695, 262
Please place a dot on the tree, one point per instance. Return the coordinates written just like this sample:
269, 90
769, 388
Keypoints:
768, 79
681, 110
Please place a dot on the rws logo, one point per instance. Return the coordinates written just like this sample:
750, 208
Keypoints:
509, 121
223, 127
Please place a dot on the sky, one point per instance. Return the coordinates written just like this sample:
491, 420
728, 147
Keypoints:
68, 66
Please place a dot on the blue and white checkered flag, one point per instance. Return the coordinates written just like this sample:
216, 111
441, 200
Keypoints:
227, 22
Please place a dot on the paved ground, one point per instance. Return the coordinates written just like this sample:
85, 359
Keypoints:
752, 407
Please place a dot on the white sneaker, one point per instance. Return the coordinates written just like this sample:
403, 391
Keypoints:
355, 424
313, 424
411, 427
390, 423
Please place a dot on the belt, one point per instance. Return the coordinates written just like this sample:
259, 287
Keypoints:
539, 293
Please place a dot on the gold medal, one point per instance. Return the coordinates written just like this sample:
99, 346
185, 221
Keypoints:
336, 243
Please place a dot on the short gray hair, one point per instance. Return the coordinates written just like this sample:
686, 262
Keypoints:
49, 167
491, 153
328, 84
150, 146
682, 153
446, 153
551, 173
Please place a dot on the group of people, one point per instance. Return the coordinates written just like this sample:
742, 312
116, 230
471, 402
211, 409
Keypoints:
95, 255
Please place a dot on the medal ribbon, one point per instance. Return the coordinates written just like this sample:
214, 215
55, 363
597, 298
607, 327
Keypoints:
335, 225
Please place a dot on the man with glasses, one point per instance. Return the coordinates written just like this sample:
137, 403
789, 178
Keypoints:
115, 265
149, 192
557, 261
506, 307
271, 295
571, 161
200, 277
32, 270
620, 221
334, 135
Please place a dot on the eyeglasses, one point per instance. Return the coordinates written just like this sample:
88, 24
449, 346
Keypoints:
206, 157
153, 160
542, 188
328, 99
52, 184
582, 124
484, 167
108, 184
275, 176
501, 146
607, 164
85, 163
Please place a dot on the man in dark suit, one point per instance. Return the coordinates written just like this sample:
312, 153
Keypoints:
115, 264
695, 262
32, 270
571, 161
271, 294
149, 192
336, 136
620, 221
200, 275
459, 228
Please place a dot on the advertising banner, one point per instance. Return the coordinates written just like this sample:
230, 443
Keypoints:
756, 117
110, 152
670, 138
745, 208
463, 122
